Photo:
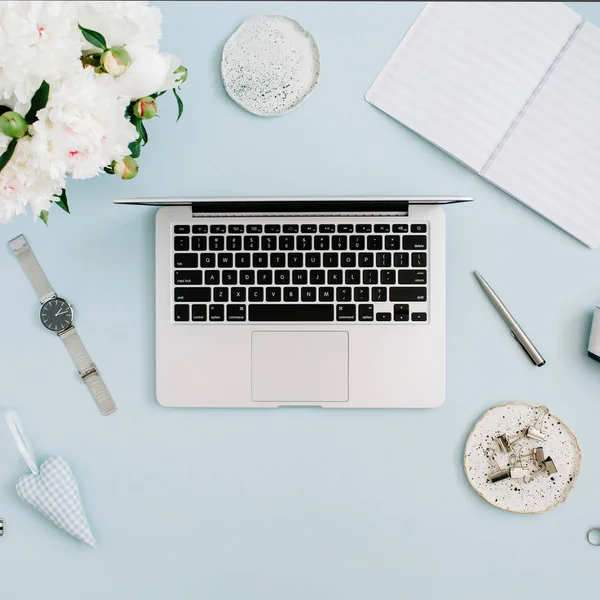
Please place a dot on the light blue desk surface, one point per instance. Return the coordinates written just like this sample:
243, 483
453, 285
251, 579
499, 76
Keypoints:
293, 504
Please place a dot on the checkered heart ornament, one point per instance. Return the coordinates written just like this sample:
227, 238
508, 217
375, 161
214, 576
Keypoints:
51, 488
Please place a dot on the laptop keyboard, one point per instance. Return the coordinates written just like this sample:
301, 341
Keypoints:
351, 272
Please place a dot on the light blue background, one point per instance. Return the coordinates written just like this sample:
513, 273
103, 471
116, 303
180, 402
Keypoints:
293, 503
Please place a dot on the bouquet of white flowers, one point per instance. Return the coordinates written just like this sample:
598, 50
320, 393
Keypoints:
77, 82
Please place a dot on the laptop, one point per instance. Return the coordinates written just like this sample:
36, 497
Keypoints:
333, 302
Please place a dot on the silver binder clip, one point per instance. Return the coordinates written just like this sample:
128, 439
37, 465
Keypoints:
518, 472
503, 443
536, 455
499, 474
537, 431
549, 466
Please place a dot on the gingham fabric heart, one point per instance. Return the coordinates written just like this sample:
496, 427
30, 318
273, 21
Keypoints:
55, 494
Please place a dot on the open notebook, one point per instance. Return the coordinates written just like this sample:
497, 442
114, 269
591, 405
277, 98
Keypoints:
512, 90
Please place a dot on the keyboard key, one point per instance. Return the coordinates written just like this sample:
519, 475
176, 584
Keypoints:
343, 294
384, 316
361, 294
335, 277
345, 228
363, 228
418, 228
382, 228
379, 294
218, 229
408, 294
365, 259
411, 277
236, 312
181, 228
418, 259
181, 243
400, 312
290, 312
251, 242
290, 294
268, 242
383, 259
330, 259
357, 242
370, 277
304, 242
326, 228
230, 277
374, 242
264, 277
186, 261
308, 228
365, 312
235, 229
414, 242
419, 316
188, 278
254, 229
238, 294
208, 260
295, 260
256, 294
220, 294
290, 229
352, 277
242, 260
277, 260
182, 312
199, 228
198, 312
216, 242
272, 228
348, 260
273, 294
326, 294
389, 277
216, 312
234, 242
313, 260
400, 228
300, 277
286, 242
199, 242
317, 277
308, 294
401, 259
339, 242
192, 294
321, 242
212, 277
246, 277
282, 277
225, 260
260, 260
346, 312
392, 242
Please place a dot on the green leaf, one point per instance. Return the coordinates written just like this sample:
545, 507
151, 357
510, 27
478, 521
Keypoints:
135, 148
7, 154
62, 200
38, 102
93, 37
158, 94
44, 216
179, 104
109, 170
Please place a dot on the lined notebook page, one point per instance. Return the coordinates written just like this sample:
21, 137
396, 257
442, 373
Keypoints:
551, 159
464, 71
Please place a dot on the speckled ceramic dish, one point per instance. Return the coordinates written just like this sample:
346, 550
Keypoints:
514, 495
270, 65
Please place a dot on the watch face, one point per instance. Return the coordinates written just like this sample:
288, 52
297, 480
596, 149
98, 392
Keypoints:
56, 314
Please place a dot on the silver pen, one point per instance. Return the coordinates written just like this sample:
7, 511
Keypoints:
515, 328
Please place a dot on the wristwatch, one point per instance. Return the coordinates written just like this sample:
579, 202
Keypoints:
56, 315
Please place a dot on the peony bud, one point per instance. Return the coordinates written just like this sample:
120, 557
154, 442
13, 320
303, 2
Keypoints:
126, 168
13, 124
145, 108
115, 61
181, 74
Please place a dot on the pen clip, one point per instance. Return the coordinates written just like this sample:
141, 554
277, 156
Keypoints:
525, 349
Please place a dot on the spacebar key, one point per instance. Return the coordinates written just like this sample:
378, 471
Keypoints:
290, 312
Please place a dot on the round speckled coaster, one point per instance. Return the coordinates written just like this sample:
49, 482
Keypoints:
544, 491
270, 65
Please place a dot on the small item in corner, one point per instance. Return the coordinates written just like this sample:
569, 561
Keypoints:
594, 343
515, 329
1, 527
518, 472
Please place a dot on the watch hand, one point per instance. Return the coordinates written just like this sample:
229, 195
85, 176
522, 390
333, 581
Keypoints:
60, 312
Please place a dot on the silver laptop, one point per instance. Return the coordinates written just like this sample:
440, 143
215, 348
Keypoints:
332, 302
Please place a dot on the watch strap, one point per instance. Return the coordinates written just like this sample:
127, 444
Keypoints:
87, 370
32, 268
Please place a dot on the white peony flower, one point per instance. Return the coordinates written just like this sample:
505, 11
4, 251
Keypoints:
83, 128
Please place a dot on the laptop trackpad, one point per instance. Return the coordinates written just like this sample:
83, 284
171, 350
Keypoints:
300, 366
